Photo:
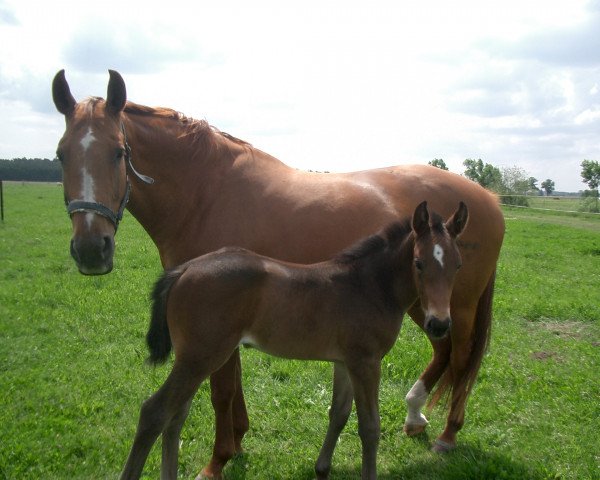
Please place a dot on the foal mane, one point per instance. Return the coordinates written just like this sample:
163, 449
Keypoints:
389, 238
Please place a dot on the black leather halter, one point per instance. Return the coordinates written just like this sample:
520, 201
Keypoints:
76, 206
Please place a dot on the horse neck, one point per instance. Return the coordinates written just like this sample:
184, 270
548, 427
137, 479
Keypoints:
405, 286
188, 170
394, 281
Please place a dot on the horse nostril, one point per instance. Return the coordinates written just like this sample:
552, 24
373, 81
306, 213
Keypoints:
74, 253
108, 248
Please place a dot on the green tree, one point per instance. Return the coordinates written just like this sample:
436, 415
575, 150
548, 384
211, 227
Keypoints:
533, 185
590, 172
548, 186
515, 181
485, 175
439, 163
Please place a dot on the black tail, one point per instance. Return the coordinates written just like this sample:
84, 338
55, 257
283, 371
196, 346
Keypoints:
158, 338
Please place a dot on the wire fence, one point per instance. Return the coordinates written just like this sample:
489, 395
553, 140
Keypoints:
553, 203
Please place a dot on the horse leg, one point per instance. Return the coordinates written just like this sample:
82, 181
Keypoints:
341, 405
170, 442
459, 358
157, 413
365, 375
224, 386
416, 398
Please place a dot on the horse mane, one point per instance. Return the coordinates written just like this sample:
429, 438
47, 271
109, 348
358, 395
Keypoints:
196, 130
388, 238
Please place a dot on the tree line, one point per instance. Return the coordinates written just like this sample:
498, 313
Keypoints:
514, 185
30, 170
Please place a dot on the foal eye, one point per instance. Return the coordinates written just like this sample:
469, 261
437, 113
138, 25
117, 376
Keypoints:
119, 153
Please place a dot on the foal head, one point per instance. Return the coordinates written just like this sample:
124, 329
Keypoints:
436, 261
93, 153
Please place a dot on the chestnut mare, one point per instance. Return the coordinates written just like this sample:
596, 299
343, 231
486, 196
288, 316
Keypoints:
348, 311
213, 190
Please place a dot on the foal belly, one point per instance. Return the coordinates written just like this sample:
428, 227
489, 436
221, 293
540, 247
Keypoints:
293, 345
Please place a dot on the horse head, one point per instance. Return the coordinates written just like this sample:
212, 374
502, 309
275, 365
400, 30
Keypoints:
436, 261
93, 153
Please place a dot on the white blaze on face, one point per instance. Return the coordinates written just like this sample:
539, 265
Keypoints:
438, 254
87, 140
87, 187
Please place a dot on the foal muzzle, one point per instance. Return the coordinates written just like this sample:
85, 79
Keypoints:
437, 328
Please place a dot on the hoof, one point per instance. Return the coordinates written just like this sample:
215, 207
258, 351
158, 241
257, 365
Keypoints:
439, 446
413, 430
205, 474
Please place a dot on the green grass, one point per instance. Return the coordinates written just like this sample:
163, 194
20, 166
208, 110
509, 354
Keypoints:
73, 377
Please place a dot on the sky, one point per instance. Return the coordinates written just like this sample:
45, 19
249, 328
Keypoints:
326, 85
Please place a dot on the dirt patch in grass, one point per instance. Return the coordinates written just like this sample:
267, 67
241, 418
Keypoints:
565, 329
543, 355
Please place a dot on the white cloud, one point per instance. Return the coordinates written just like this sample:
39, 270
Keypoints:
326, 85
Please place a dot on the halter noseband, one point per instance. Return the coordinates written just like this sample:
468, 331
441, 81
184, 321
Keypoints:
75, 206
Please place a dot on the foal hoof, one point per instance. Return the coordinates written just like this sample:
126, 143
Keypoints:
412, 430
439, 446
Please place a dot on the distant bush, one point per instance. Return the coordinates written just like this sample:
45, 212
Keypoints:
589, 202
516, 200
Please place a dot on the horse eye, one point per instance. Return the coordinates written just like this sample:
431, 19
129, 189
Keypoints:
459, 266
418, 264
119, 153
59, 157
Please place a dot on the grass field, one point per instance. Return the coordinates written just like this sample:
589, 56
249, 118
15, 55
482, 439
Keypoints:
73, 377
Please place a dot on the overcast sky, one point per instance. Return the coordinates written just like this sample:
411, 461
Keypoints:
326, 85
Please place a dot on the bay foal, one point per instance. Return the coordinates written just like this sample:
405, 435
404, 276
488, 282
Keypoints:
347, 310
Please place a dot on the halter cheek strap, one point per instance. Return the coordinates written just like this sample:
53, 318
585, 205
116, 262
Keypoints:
144, 178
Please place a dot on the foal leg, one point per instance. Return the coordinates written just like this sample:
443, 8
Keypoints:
341, 405
170, 443
157, 413
241, 423
226, 391
416, 398
365, 375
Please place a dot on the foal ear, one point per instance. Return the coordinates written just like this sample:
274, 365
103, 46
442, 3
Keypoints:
116, 95
456, 224
61, 94
420, 221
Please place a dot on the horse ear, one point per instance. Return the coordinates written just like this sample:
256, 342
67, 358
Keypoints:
116, 95
456, 224
420, 222
61, 94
